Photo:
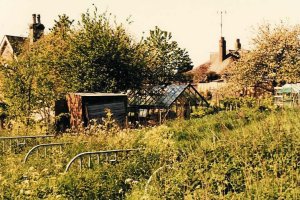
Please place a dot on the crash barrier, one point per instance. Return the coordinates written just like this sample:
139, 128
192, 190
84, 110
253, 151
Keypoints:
109, 156
19, 141
37, 149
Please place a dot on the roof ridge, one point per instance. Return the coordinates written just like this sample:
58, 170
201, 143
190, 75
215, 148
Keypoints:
15, 36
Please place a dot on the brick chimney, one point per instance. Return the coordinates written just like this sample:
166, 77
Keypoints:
38, 18
36, 29
222, 49
34, 18
238, 44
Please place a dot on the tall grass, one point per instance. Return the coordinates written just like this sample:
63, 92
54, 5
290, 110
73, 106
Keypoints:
243, 154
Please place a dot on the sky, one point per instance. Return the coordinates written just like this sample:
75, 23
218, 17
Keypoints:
194, 24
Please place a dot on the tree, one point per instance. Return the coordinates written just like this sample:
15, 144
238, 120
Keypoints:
166, 61
274, 59
62, 26
199, 74
104, 57
18, 80
32, 84
38, 76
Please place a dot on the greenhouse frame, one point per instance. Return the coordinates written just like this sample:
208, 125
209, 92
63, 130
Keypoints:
155, 105
287, 95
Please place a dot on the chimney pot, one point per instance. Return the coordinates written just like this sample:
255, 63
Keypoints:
238, 45
38, 18
34, 18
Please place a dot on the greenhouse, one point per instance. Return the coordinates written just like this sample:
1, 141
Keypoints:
156, 104
287, 95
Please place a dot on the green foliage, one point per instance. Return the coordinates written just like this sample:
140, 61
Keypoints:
19, 89
62, 26
228, 155
104, 57
37, 78
106, 126
203, 111
248, 103
31, 83
165, 59
274, 59
3, 110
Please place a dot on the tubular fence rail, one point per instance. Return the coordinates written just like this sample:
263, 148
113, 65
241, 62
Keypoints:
110, 156
45, 146
20, 141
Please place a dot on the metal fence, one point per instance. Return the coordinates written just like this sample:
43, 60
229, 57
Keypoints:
109, 156
19, 141
45, 147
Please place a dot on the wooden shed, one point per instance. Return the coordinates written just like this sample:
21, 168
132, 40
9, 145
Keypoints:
84, 107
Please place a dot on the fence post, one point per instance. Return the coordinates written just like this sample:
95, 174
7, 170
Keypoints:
98, 159
80, 163
90, 161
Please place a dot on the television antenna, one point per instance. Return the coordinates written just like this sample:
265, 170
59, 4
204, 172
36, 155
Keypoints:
221, 12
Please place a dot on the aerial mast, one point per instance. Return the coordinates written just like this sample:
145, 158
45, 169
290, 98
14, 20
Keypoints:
221, 15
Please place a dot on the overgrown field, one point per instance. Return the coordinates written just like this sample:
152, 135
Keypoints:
230, 155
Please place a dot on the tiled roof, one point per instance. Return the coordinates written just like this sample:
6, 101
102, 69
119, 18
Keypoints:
217, 66
16, 42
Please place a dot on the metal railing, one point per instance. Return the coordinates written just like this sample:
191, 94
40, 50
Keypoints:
20, 141
108, 155
45, 146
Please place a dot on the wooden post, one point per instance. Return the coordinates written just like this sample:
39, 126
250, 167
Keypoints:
176, 103
1, 123
10, 142
90, 161
106, 157
80, 163
126, 121
159, 117
98, 159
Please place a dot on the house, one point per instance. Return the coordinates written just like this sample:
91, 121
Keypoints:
157, 104
214, 70
210, 77
11, 46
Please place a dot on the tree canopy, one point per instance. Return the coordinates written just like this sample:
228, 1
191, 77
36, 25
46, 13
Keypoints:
166, 61
273, 60
104, 57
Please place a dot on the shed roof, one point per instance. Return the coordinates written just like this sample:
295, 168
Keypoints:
99, 94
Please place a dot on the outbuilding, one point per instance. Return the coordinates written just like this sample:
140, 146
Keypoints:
157, 104
287, 95
84, 107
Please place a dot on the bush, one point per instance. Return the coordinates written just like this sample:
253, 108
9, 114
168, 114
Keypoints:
203, 111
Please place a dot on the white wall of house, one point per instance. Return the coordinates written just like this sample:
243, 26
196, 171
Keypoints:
211, 86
